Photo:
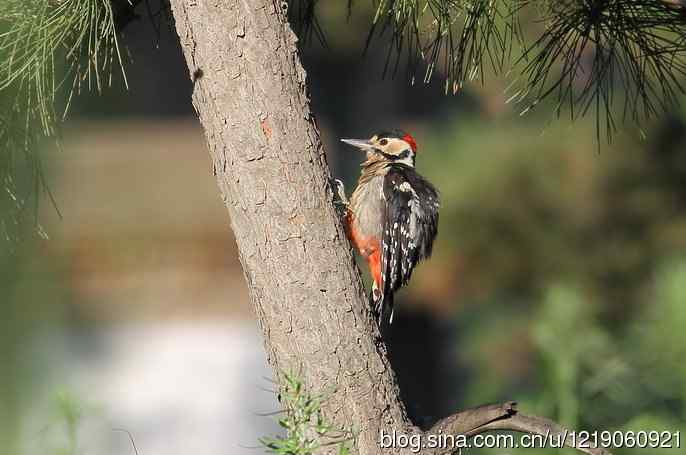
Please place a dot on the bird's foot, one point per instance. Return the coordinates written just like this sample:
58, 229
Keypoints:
340, 201
339, 192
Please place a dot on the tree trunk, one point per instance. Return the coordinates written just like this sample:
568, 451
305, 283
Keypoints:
251, 96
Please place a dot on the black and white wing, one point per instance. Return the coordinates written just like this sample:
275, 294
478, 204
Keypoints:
410, 226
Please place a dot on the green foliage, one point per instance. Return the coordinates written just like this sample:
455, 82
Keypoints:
306, 428
657, 342
69, 414
459, 38
32, 299
21, 176
589, 48
571, 272
47, 45
581, 53
530, 211
580, 360
49, 51
64, 432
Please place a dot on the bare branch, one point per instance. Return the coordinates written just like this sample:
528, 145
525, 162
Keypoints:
506, 417
469, 420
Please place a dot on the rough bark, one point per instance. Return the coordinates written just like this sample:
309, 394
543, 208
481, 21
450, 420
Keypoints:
251, 97
250, 94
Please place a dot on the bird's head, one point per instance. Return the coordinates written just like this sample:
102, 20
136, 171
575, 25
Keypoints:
389, 145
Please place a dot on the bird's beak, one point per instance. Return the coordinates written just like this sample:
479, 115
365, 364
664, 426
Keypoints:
362, 144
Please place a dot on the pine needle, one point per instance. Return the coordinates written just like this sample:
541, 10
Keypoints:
49, 50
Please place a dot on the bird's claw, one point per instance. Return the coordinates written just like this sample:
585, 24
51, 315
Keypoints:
339, 192
340, 201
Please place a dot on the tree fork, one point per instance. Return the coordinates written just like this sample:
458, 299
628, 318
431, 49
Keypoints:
251, 97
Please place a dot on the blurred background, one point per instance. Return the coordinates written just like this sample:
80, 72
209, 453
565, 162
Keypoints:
558, 278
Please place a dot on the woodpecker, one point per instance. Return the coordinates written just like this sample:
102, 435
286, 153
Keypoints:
392, 216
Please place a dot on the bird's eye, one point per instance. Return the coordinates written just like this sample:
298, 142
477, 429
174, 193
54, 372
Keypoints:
383, 141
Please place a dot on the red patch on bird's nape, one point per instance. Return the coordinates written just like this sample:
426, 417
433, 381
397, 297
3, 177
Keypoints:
410, 140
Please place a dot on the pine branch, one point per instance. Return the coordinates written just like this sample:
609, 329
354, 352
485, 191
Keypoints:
592, 48
303, 17
49, 51
621, 60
